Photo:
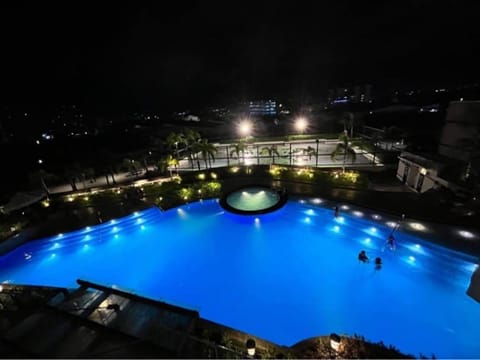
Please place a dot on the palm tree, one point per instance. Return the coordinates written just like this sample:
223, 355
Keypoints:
208, 152
343, 148
172, 161
173, 140
310, 151
239, 148
191, 137
271, 151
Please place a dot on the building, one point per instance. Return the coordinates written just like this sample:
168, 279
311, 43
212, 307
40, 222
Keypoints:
262, 108
462, 127
457, 153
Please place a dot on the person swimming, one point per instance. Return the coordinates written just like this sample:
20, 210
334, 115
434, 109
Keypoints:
391, 242
378, 263
336, 211
362, 256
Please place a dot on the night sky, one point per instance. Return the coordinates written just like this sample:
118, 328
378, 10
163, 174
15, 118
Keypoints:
109, 56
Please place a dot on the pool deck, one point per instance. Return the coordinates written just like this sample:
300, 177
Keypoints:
95, 321
438, 217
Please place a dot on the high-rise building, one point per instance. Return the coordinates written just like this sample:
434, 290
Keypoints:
262, 108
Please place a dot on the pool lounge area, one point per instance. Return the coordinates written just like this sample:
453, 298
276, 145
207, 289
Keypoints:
285, 276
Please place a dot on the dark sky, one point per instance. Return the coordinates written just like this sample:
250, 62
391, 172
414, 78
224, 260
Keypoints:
178, 54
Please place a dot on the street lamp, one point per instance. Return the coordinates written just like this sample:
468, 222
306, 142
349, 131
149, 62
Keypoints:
301, 124
335, 342
250, 347
245, 128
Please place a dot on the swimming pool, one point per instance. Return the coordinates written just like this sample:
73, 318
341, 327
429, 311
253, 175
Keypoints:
284, 276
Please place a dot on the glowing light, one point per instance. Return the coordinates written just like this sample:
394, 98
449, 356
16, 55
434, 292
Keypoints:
70, 198
310, 212
88, 228
307, 219
317, 201
367, 240
116, 236
213, 175
53, 255
376, 217
112, 222
411, 258
417, 246
391, 224
466, 234
245, 127
115, 228
87, 237
340, 219
344, 207
336, 228
142, 227
60, 235
417, 226
56, 245
301, 124
257, 220
135, 213
86, 198
302, 201
358, 213
372, 229
201, 176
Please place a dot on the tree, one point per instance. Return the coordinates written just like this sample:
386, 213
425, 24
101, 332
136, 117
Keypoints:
271, 151
343, 149
191, 138
132, 165
239, 148
172, 161
173, 140
310, 151
208, 152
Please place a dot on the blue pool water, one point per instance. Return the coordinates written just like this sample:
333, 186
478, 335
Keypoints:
284, 276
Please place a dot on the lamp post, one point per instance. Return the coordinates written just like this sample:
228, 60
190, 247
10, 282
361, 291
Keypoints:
250, 344
335, 341
42, 180
290, 151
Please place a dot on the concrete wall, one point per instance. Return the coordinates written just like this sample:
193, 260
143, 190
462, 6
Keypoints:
462, 122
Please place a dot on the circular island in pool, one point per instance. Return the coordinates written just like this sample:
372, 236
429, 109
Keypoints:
253, 200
